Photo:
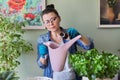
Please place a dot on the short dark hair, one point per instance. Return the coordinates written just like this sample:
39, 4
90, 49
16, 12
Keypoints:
48, 9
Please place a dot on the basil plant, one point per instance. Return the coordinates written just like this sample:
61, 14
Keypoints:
94, 64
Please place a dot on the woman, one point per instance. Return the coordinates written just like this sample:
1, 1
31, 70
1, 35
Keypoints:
59, 35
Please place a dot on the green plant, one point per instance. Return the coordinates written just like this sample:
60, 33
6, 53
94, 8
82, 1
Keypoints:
12, 43
111, 3
94, 64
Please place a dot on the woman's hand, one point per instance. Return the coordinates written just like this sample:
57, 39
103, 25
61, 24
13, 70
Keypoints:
44, 60
85, 40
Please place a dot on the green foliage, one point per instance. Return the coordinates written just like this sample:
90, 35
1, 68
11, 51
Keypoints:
111, 3
12, 43
95, 64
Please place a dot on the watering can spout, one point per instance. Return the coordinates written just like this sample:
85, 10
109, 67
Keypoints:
71, 42
58, 53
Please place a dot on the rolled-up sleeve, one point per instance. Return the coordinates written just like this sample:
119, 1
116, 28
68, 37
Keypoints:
86, 47
42, 50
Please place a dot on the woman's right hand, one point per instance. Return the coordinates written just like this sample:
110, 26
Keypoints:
43, 60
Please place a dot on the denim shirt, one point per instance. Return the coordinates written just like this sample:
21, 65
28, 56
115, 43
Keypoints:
44, 50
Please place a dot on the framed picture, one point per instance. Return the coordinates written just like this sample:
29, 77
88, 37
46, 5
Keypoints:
24, 10
109, 13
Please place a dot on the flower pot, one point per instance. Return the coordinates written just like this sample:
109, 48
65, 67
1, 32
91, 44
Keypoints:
103, 79
86, 78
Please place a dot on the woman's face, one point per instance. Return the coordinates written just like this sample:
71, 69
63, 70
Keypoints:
51, 21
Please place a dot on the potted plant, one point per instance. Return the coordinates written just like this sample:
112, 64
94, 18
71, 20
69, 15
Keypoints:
94, 64
12, 45
111, 3
111, 14
8, 75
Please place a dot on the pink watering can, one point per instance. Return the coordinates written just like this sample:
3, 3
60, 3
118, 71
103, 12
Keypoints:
58, 53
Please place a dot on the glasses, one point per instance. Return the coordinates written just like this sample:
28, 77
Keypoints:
47, 22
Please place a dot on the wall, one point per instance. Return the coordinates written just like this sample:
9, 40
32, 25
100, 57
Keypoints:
84, 16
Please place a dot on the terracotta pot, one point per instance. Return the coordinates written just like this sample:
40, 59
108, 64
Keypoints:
103, 79
107, 79
86, 78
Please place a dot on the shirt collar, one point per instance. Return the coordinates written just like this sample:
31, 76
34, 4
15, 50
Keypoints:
49, 38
